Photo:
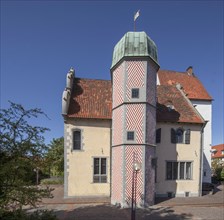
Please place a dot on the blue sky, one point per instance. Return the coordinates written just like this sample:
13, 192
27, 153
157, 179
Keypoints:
41, 40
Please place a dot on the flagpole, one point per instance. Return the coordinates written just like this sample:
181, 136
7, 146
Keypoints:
136, 15
134, 25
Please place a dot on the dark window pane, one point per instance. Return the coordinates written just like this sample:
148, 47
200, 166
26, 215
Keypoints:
77, 140
187, 136
135, 93
169, 170
158, 135
96, 166
130, 135
103, 166
175, 170
182, 170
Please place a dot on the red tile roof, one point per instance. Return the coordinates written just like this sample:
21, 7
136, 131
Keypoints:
191, 84
173, 106
93, 99
218, 153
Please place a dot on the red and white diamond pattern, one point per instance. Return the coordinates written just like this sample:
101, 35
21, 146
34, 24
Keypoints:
117, 175
133, 153
117, 126
118, 81
134, 120
135, 76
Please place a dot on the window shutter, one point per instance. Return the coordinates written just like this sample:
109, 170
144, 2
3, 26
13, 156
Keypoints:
187, 136
158, 135
173, 136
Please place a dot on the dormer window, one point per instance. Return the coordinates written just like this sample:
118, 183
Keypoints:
170, 107
135, 93
180, 136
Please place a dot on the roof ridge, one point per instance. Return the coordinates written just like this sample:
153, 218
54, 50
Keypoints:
91, 79
160, 70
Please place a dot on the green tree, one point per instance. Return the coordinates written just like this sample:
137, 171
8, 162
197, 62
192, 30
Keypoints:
21, 151
55, 157
217, 167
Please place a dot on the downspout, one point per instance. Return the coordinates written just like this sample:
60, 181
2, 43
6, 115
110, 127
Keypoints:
201, 158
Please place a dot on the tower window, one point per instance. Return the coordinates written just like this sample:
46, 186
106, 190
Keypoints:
135, 93
130, 135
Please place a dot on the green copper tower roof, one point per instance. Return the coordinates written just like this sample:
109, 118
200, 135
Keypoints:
134, 44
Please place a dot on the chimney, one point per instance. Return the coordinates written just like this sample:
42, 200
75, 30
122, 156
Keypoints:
190, 71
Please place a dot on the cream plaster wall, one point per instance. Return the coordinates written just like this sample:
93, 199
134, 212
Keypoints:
166, 151
96, 143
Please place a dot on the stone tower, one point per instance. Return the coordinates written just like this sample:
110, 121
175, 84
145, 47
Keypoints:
133, 71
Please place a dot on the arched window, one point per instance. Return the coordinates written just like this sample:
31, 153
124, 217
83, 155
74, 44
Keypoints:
179, 135
77, 139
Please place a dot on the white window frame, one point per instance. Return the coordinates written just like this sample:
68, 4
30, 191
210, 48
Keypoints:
178, 170
99, 175
81, 139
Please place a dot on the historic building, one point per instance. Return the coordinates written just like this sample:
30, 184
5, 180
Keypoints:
156, 121
218, 152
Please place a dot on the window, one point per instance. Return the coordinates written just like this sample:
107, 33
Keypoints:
100, 170
158, 135
180, 136
135, 93
130, 135
187, 136
77, 139
178, 170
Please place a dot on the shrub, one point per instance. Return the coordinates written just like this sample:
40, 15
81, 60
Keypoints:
222, 175
52, 181
22, 215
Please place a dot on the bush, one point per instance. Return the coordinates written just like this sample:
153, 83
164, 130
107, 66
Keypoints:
22, 215
222, 175
52, 181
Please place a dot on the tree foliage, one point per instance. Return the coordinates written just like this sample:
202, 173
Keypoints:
55, 157
218, 169
21, 151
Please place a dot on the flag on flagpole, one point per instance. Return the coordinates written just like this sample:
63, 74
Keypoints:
136, 15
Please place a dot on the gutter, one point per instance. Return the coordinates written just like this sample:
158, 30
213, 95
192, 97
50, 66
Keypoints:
201, 158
